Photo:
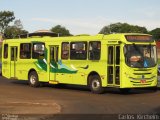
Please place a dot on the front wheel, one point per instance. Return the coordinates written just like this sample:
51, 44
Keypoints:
95, 84
33, 79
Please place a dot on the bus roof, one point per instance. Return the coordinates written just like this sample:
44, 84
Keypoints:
119, 35
116, 36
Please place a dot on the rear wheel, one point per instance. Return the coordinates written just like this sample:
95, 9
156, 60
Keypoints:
95, 84
33, 79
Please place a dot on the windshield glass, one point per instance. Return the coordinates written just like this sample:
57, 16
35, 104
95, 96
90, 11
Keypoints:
140, 56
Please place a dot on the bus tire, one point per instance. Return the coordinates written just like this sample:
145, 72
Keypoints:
95, 84
33, 79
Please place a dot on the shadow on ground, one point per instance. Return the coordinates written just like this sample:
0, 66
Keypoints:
86, 89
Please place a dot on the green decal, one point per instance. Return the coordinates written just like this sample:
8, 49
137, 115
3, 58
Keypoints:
55, 67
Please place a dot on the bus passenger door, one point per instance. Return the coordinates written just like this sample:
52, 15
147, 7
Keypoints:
113, 65
53, 63
13, 57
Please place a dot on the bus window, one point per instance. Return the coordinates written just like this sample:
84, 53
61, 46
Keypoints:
94, 50
5, 55
65, 50
78, 51
110, 55
38, 51
117, 55
25, 51
14, 54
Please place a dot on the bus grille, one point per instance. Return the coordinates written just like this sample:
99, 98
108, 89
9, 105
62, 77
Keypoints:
141, 81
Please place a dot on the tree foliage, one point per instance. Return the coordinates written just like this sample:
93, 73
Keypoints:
8, 31
15, 30
18, 24
155, 33
5, 18
61, 30
122, 28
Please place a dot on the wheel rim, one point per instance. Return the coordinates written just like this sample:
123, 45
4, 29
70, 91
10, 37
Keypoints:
33, 79
95, 84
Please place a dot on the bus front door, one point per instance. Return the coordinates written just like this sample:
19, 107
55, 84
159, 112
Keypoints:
13, 57
53, 63
113, 65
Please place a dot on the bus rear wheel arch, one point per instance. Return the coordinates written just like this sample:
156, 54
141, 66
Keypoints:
95, 84
33, 79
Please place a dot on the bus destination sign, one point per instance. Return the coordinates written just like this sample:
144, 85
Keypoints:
139, 38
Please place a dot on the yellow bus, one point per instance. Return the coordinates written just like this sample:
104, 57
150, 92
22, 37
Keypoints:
123, 61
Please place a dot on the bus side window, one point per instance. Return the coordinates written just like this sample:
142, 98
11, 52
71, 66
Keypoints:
94, 50
5, 55
110, 54
25, 50
38, 51
65, 50
78, 50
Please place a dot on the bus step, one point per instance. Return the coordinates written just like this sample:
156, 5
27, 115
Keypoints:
53, 82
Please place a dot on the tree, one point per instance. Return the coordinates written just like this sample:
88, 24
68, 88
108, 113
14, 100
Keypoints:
155, 33
61, 30
122, 28
5, 18
15, 30
18, 24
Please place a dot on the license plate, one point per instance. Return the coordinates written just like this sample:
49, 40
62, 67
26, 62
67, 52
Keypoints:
143, 81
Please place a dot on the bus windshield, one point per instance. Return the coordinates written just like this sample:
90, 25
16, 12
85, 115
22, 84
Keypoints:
140, 56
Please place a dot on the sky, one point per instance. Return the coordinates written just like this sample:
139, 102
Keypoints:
83, 16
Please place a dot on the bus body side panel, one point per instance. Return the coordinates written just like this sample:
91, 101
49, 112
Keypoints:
79, 77
66, 78
83, 70
24, 66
